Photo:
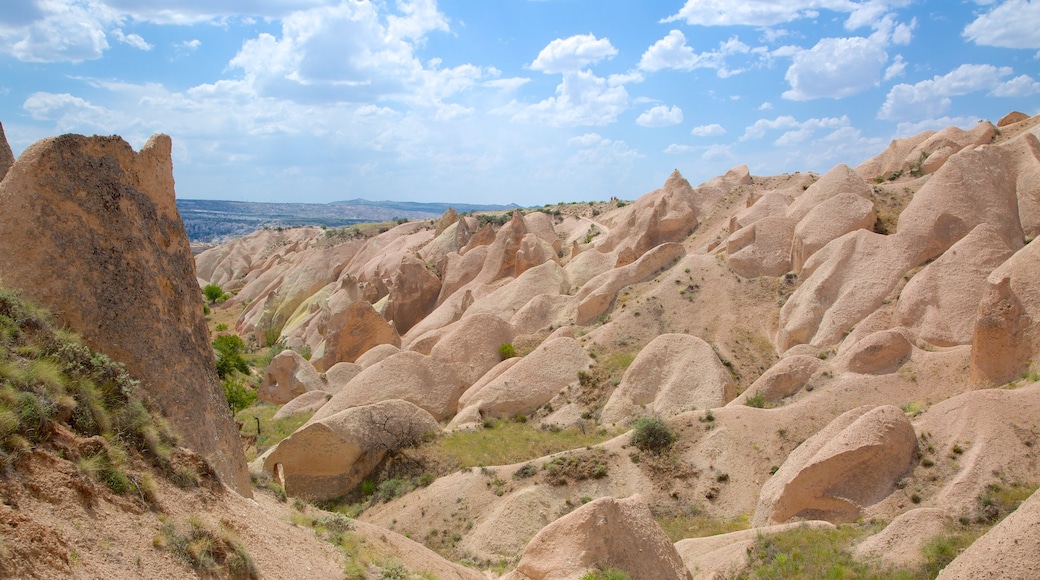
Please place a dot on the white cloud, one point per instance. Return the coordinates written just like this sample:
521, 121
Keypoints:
835, 68
1011, 24
772, 12
600, 151
189, 45
59, 32
718, 152
132, 39
759, 128
675, 148
896, 69
660, 116
1020, 86
672, 52
931, 98
573, 54
712, 130
581, 99
507, 85
909, 129
766, 106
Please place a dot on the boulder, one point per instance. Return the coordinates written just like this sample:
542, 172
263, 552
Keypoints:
544, 311
351, 332
762, 248
89, 229
783, 379
308, 402
288, 376
342, 373
891, 159
940, 302
597, 295
852, 463
878, 353
771, 203
1007, 326
327, 458
1012, 118
661, 216
413, 293
460, 270
604, 533
829, 220
934, 151
672, 374
530, 382
470, 346
376, 354
549, 278
6, 155
840, 179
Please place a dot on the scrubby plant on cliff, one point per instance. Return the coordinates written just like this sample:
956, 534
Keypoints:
48, 377
652, 434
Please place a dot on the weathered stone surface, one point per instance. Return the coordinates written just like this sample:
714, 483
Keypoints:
762, 248
840, 179
596, 296
891, 159
664, 215
1011, 118
342, 373
470, 346
900, 543
353, 331
672, 374
934, 151
407, 375
501, 258
771, 203
308, 402
852, 463
1009, 551
530, 382
90, 230
376, 354
726, 555
6, 155
1025, 154
413, 293
327, 458
549, 278
878, 353
604, 533
940, 302
288, 376
831, 219
783, 379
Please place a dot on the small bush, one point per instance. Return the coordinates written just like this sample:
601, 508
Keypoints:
506, 351
652, 434
208, 552
214, 293
758, 401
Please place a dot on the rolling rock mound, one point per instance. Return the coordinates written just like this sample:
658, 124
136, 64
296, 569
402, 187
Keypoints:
89, 230
826, 347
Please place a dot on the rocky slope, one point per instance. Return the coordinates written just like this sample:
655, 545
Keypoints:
846, 330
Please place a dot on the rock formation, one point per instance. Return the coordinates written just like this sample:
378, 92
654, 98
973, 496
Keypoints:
89, 229
288, 376
6, 155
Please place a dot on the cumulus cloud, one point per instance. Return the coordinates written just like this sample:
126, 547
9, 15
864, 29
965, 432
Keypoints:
581, 99
835, 68
796, 131
660, 116
58, 33
931, 98
672, 52
573, 54
773, 12
134, 40
595, 149
1010, 24
896, 69
675, 148
712, 130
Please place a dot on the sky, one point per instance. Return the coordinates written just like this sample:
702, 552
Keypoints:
507, 101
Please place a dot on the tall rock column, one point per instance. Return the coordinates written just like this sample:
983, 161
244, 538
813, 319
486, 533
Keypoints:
6, 156
90, 230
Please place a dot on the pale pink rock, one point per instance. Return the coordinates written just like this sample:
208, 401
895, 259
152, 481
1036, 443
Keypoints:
308, 402
342, 373
413, 293
879, 353
604, 533
851, 464
664, 215
829, 220
840, 179
772, 203
376, 354
6, 155
1009, 551
672, 374
783, 379
1025, 154
353, 331
596, 296
762, 248
940, 302
460, 271
548, 278
891, 159
928, 156
288, 376
326, 458
544, 311
900, 544
470, 346
1012, 118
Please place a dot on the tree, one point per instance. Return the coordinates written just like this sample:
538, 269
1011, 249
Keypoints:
214, 292
229, 349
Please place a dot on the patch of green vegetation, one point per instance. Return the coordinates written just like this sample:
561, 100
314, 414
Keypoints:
652, 434
214, 293
506, 351
606, 574
692, 523
216, 553
50, 377
758, 400
506, 443
258, 423
806, 552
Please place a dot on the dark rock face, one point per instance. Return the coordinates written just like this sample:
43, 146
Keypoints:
6, 155
90, 230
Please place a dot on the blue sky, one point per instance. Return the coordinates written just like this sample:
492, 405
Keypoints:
499, 101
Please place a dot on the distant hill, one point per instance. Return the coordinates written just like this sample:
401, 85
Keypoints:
216, 220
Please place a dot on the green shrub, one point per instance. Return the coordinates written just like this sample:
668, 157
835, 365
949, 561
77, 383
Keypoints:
758, 400
216, 554
506, 351
652, 434
238, 395
214, 293
229, 349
